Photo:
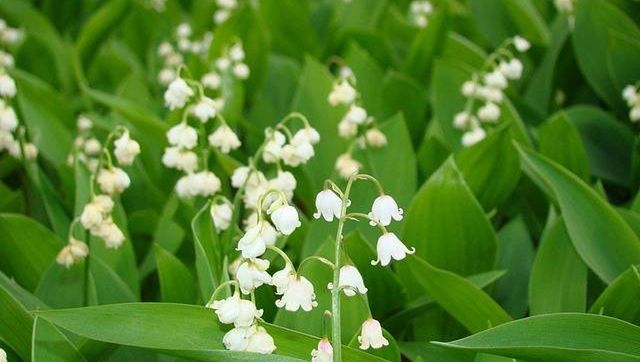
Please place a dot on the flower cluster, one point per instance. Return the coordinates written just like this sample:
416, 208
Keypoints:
224, 11
172, 55
419, 12
11, 133
233, 59
356, 124
488, 86
631, 95
87, 147
96, 216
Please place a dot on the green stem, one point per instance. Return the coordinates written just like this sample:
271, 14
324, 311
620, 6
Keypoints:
219, 288
336, 332
317, 258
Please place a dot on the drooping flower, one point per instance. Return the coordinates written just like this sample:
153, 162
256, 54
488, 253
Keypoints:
254, 242
384, 209
342, 93
512, 69
252, 273
175, 157
126, 149
237, 311
390, 247
297, 294
306, 135
109, 232
521, 44
224, 138
356, 114
351, 281
371, 335
347, 166
495, 79
328, 204
7, 86
177, 94
221, 215
260, 342
237, 339
473, 136
205, 109
182, 135
375, 138
273, 148
295, 154
489, 112
285, 218
324, 352
74, 252
113, 180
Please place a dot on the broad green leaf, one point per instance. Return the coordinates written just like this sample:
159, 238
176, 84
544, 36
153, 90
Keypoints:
26, 248
369, 76
604, 138
60, 287
98, 27
560, 141
467, 303
427, 44
601, 237
623, 58
48, 344
544, 338
107, 286
492, 20
527, 20
620, 299
176, 282
176, 329
516, 256
207, 248
595, 20
431, 155
26, 299
558, 277
460, 49
402, 94
491, 168
15, 325
448, 227
426, 352
291, 33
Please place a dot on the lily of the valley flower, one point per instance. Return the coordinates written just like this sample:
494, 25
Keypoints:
126, 149
96, 211
113, 180
182, 135
328, 204
273, 149
255, 240
347, 166
297, 292
390, 247
375, 138
521, 44
252, 273
175, 157
240, 312
306, 135
489, 112
7, 86
285, 218
205, 109
249, 339
350, 281
204, 183
384, 209
473, 136
324, 352
342, 93
371, 335
512, 69
221, 215
72, 253
177, 94
224, 138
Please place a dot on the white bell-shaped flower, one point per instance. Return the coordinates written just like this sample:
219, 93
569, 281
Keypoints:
113, 180
241, 70
521, 44
211, 80
469, 88
473, 136
384, 209
350, 281
254, 242
239, 176
285, 218
3, 355
356, 114
634, 114
72, 253
511, 69
237, 339
111, 234
182, 135
240, 312
630, 94
324, 352
126, 149
490, 94
297, 294
176, 157
281, 279
8, 118
296, 154
347, 129
342, 93
390, 247
177, 94
205, 109
347, 166
285, 182
224, 138
371, 335
328, 204
221, 214
306, 135
495, 80
261, 342
375, 138
489, 112
252, 273
273, 149
7, 86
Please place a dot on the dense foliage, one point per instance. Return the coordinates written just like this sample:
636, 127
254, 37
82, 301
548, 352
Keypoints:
346, 180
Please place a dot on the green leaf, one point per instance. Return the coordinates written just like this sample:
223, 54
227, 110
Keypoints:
176, 281
177, 329
595, 20
544, 338
98, 27
427, 44
15, 325
27, 248
623, 59
60, 287
424, 351
106, 285
620, 299
560, 141
402, 94
559, 276
26, 299
527, 21
48, 344
448, 227
467, 303
207, 249
491, 168
602, 238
